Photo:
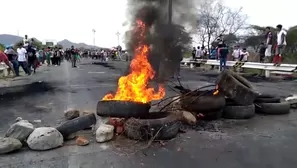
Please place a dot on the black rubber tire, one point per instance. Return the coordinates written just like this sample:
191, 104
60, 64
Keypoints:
122, 109
77, 124
266, 98
236, 88
162, 125
203, 101
234, 111
273, 108
214, 115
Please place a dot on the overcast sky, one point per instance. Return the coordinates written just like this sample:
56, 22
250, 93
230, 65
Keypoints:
74, 20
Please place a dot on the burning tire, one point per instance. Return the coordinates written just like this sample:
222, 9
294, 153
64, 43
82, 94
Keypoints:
122, 109
266, 98
236, 88
160, 126
234, 111
203, 101
273, 108
76, 124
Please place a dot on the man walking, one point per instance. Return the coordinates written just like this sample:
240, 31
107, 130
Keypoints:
73, 56
22, 59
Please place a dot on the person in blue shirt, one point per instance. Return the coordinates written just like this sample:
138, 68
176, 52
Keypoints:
213, 54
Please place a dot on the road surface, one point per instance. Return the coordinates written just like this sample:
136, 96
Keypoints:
264, 141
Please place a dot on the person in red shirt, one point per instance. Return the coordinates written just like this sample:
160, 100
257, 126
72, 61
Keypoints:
4, 58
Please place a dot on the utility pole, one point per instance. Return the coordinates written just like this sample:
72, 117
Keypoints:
118, 36
94, 36
169, 12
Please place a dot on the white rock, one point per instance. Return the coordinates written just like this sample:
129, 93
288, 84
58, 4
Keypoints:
292, 99
9, 144
71, 114
104, 133
189, 118
20, 130
45, 138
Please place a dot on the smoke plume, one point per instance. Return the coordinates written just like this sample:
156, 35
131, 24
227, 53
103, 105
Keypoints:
167, 41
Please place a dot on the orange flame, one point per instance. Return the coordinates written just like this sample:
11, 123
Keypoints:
134, 86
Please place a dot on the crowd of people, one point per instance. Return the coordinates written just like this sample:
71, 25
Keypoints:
271, 49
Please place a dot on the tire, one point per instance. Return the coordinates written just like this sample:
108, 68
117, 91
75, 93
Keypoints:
162, 125
266, 98
214, 115
203, 101
122, 109
273, 108
234, 111
236, 88
77, 124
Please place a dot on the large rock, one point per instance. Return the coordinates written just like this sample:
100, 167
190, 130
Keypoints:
45, 138
71, 114
9, 145
20, 130
104, 133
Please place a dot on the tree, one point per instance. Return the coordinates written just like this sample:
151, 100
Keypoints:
2, 47
292, 40
216, 20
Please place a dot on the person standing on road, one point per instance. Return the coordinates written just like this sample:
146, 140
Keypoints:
31, 58
236, 53
4, 58
12, 57
281, 44
222, 55
73, 56
268, 45
22, 59
198, 53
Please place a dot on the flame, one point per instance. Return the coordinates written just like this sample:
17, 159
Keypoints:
216, 92
134, 86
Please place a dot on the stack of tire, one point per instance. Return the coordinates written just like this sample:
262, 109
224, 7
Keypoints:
236, 99
243, 101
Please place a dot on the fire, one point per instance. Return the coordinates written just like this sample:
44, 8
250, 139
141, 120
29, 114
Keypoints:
216, 92
134, 86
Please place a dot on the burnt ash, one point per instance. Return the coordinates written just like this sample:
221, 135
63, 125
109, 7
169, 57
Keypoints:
167, 41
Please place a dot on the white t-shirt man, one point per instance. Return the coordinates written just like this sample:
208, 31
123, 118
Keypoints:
279, 37
22, 54
244, 55
198, 53
236, 54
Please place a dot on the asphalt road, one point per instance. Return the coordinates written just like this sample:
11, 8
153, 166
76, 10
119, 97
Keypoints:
264, 141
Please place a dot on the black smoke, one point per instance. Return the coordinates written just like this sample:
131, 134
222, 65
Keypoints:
167, 41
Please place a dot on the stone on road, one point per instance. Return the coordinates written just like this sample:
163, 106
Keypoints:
9, 145
45, 138
82, 141
20, 130
71, 114
104, 133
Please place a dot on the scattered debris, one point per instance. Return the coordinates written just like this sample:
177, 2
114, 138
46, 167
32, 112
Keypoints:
81, 141
20, 130
189, 118
37, 121
71, 114
104, 133
45, 138
9, 145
